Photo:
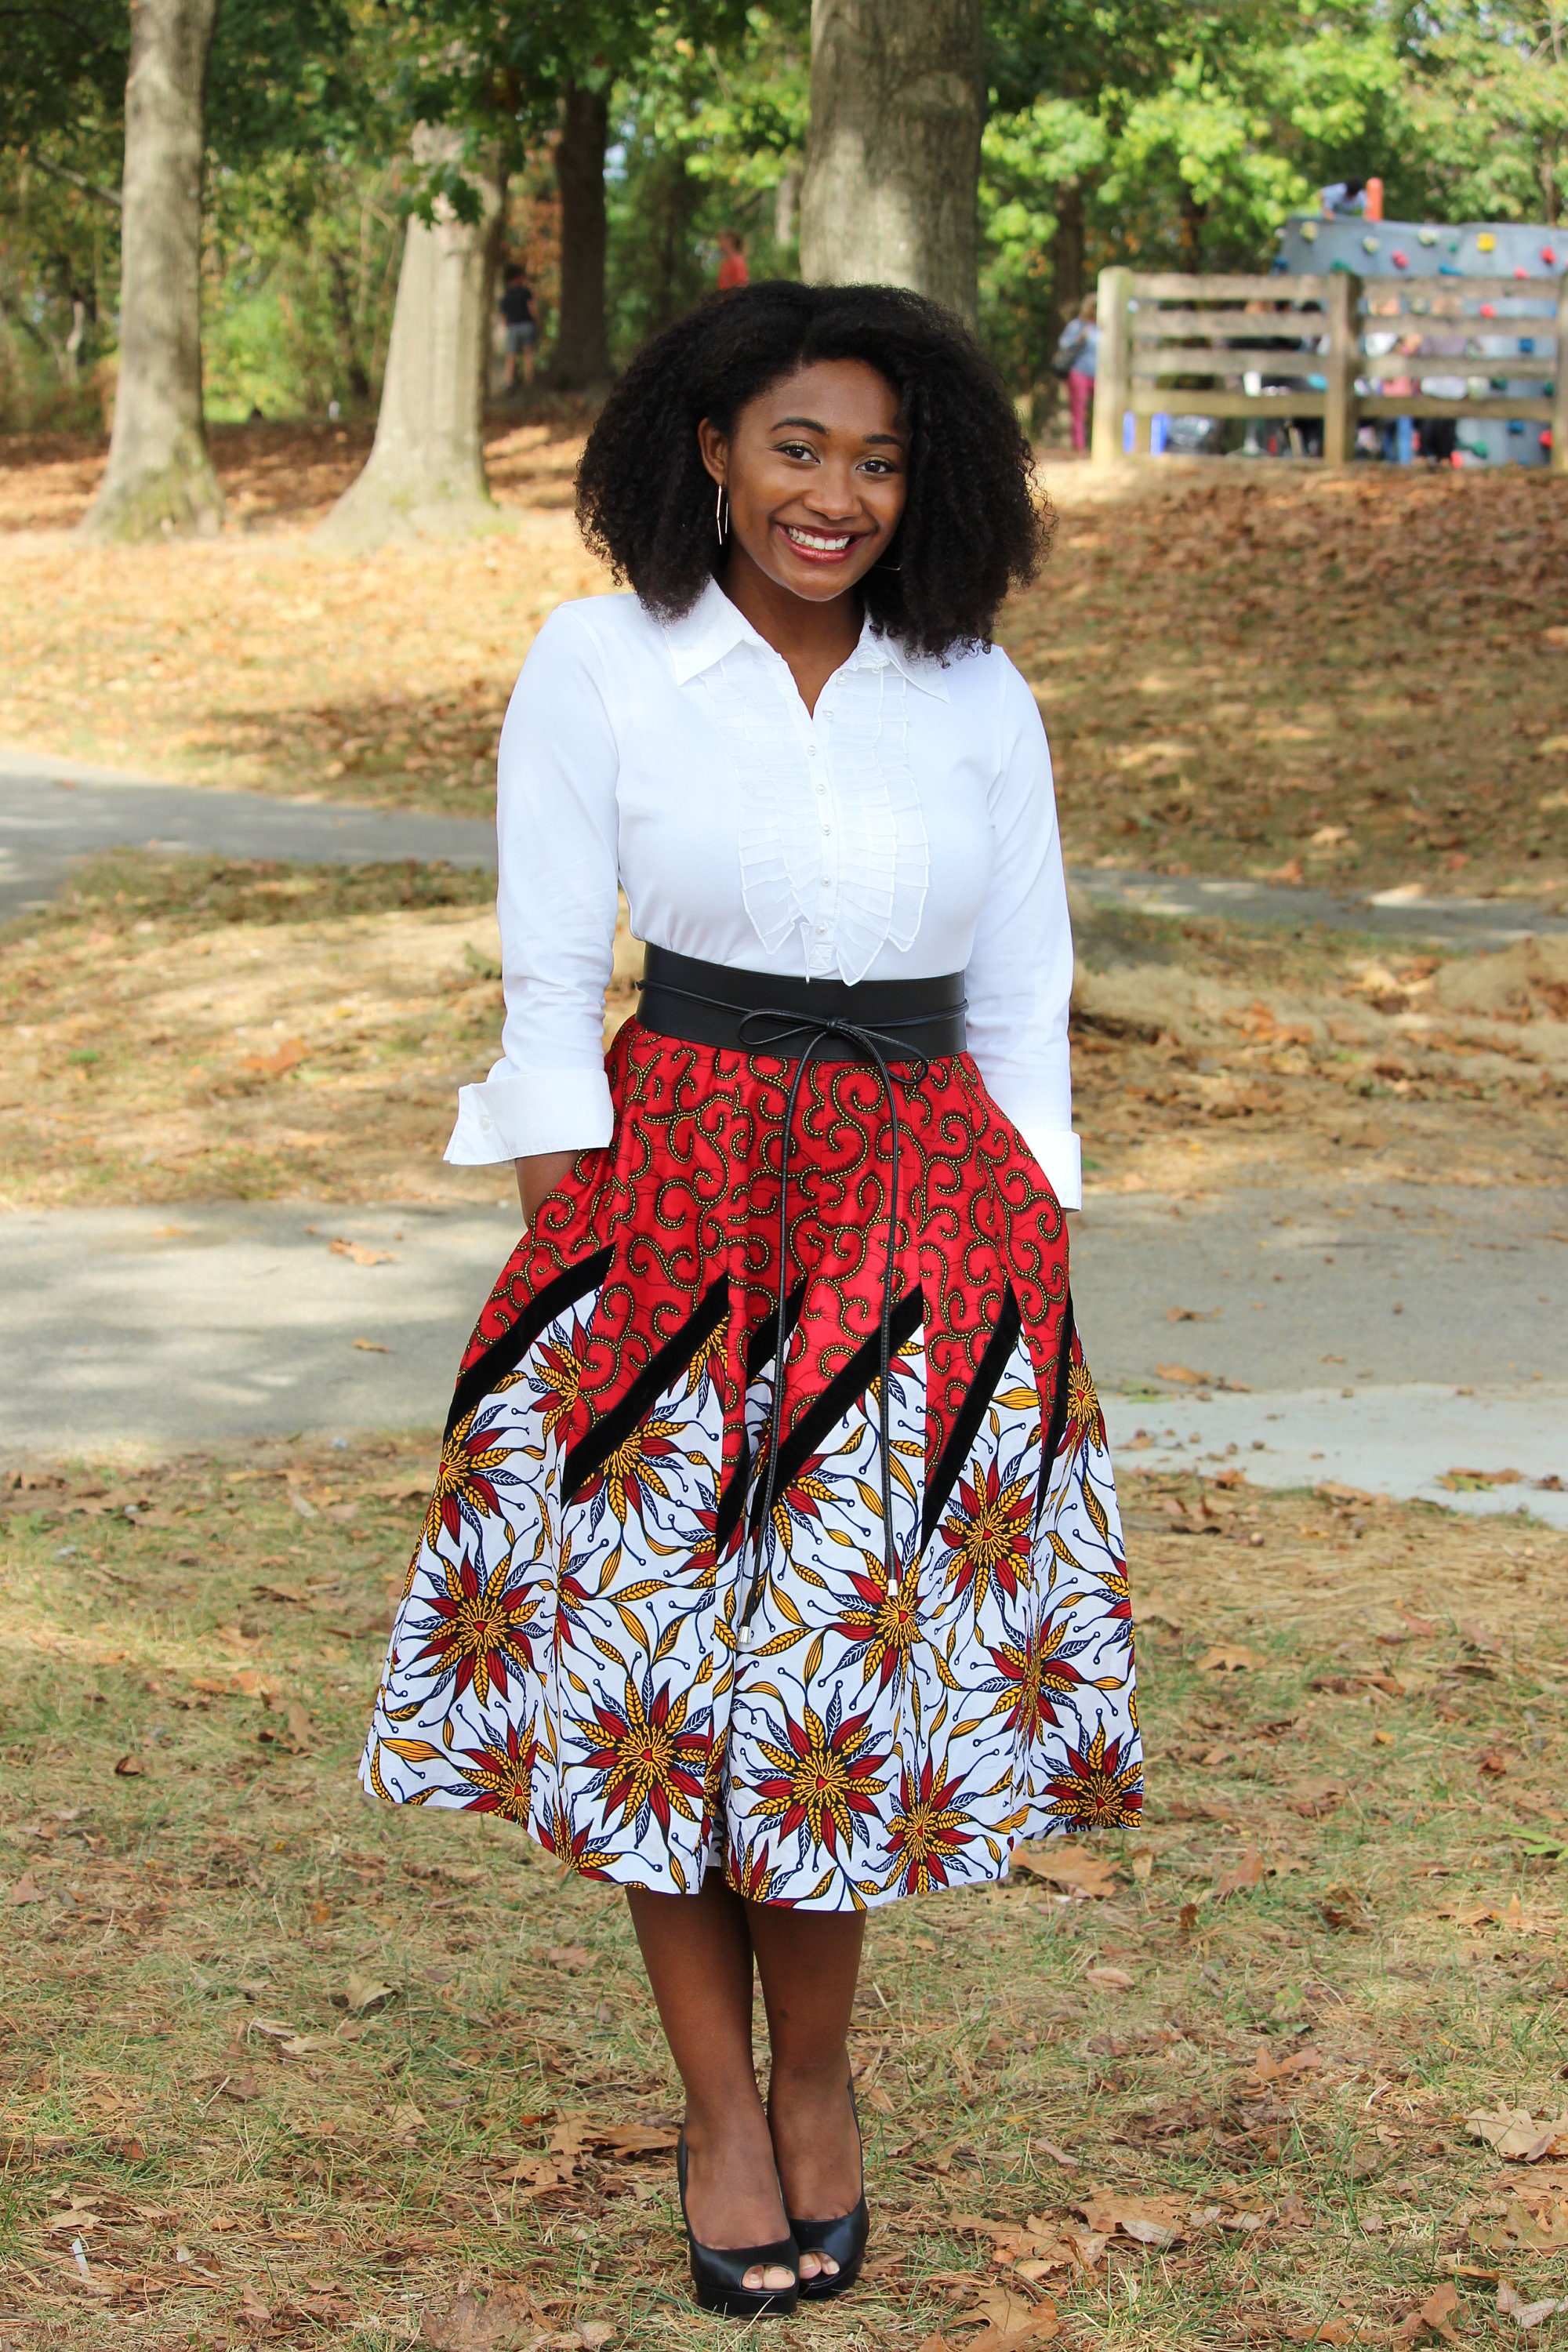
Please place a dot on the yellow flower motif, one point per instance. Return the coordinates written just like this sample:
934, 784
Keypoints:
467, 1481
627, 1476
647, 1754
560, 1370
821, 1779
1083, 1399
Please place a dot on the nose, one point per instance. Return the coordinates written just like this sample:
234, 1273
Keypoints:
834, 493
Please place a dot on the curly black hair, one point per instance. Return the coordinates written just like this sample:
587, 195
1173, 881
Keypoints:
972, 524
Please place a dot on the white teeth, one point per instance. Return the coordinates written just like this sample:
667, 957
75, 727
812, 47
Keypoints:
833, 546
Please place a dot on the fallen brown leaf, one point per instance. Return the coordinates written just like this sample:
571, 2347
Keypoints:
374, 1346
1314, 1798
1435, 2315
575, 1959
1516, 2137
1158, 2222
364, 1992
130, 1768
1077, 1868
291, 1052
1250, 1871
25, 1889
481, 2318
360, 1255
1110, 1979
1183, 1374
1227, 1658
1511, 2306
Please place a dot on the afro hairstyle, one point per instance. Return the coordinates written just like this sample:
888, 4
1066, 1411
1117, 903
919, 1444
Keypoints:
972, 525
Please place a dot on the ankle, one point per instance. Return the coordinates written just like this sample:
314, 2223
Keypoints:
713, 2123
811, 2080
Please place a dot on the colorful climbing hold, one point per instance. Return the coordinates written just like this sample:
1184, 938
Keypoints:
1400, 260
1522, 273
1549, 254
1488, 310
1310, 232
1427, 236
1370, 244
1449, 269
1485, 242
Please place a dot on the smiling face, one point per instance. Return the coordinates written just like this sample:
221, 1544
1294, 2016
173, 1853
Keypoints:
816, 474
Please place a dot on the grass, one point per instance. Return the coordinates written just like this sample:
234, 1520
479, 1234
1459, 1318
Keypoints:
187, 1028
292, 2067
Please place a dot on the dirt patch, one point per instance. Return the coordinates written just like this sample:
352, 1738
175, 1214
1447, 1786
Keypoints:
289, 2066
197, 1029
1358, 679
1204, 1056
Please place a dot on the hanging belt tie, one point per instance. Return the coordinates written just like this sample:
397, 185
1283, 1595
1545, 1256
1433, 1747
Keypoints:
875, 1045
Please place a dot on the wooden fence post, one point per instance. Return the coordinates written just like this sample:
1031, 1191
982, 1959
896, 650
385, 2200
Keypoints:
1112, 366
1344, 348
1559, 383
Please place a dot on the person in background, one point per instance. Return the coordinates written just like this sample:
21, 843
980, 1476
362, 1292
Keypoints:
732, 270
1075, 359
522, 326
1343, 199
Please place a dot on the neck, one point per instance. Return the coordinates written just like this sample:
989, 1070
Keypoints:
815, 639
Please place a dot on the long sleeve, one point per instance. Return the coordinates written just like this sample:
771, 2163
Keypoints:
556, 902
1020, 970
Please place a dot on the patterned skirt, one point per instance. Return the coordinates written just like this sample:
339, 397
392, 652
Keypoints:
569, 1651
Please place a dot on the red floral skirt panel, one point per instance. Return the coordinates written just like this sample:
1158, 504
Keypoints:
570, 1648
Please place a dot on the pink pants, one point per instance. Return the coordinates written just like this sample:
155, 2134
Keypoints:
1080, 401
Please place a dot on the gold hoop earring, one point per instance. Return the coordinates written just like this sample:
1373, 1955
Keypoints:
721, 515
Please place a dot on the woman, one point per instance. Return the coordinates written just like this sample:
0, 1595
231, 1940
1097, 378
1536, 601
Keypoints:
1076, 357
772, 1644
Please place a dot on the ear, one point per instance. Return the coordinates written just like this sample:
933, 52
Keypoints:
714, 447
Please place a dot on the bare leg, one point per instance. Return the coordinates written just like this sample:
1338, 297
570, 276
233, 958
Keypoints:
698, 1955
808, 1962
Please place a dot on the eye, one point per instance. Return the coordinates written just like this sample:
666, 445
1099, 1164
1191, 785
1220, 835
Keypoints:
795, 449
879, 465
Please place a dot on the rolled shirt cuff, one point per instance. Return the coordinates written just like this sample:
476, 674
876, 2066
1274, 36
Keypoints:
543, 1110
1054, 1146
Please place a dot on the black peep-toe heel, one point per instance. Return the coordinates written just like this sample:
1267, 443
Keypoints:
842, 2240
717, 2272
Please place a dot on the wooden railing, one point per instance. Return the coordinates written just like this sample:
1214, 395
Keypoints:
1182, 347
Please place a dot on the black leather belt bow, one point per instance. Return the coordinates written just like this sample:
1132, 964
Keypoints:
889, 1026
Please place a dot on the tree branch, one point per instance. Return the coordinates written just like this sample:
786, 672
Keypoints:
75, 180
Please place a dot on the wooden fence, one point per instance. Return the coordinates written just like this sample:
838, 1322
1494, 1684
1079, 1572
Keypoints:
1184, 346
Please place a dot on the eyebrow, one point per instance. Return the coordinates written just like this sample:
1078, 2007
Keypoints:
813, 425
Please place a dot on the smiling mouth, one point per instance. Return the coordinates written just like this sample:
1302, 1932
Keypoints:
820, 546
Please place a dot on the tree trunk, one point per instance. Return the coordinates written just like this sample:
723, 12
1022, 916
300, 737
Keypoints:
892, 165
425, 477
160, 478
582, 355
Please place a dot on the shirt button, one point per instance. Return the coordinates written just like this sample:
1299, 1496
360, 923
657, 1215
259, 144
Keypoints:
811, 751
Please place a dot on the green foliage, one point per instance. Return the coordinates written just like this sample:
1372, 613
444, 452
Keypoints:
708, 137
1489, 108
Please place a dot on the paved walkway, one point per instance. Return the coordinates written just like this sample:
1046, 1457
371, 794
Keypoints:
1384, 1338
53, 812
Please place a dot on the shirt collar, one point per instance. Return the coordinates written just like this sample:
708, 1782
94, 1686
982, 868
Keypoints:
713, 627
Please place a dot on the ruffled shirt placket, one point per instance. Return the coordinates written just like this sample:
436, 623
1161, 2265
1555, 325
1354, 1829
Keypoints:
832, 839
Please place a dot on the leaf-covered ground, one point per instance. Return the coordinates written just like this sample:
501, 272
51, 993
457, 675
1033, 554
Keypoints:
291, 2068
1254, 670
190, 1028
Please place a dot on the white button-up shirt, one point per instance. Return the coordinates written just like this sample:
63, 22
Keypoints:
905, 828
